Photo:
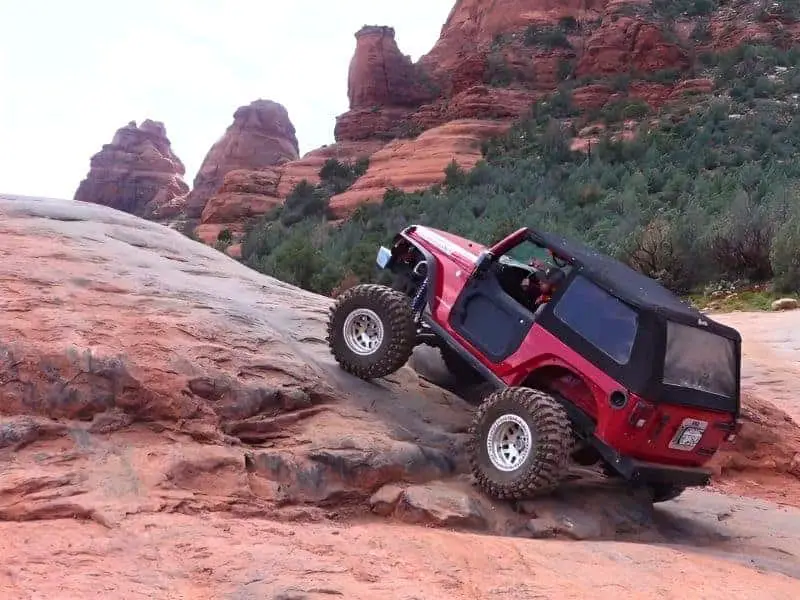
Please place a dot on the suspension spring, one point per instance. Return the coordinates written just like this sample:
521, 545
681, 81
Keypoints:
419, 299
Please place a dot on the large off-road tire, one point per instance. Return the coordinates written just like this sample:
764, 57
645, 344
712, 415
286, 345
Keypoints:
460, 369
371, 330
540, 464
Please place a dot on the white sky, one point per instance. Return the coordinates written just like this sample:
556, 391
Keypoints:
73, 71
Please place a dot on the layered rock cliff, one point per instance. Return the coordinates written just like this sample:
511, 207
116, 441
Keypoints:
261, 136
247, 194
491, 62
137, 172
493, 59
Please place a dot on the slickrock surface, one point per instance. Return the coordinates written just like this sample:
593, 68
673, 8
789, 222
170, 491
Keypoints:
174, 426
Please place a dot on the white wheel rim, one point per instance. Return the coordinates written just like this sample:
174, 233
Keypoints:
363, 331
509, 442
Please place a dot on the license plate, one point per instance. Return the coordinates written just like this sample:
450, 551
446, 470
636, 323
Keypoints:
688, 435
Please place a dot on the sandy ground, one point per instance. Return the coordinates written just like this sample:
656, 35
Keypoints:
771, 347
174, 556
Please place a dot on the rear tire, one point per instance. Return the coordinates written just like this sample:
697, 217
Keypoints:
506, 470
371, 330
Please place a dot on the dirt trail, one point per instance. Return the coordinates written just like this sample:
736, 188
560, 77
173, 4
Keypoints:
771, 348
178, 556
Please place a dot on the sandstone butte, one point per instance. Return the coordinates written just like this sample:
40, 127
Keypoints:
491, 61
136, 173
173, 426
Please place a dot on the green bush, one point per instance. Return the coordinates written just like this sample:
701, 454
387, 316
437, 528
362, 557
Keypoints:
785, 255
546, 36
305, 200
496, 72
695, 198
225, 236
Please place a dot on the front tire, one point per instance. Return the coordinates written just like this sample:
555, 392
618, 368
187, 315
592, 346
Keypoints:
520, 443
371, 330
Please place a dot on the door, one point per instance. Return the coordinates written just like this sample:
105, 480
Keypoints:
489, 319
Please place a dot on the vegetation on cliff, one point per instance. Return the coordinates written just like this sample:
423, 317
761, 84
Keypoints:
705, 192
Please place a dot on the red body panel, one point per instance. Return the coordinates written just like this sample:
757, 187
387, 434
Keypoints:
577, 379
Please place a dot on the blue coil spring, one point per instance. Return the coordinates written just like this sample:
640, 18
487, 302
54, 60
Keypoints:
419, 299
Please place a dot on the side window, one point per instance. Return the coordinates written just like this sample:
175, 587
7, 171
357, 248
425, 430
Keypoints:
601, 319
526, 250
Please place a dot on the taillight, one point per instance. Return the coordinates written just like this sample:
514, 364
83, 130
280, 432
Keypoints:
641, 413
731, 430
731, 437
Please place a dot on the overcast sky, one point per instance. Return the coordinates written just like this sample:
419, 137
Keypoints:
73, 72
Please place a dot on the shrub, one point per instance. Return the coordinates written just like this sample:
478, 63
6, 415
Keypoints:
699, 196
496, 72
304, 201
225, 236
785, 256
546, 36
742, 240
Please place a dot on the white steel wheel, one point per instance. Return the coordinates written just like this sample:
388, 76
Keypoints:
363, 331
371, 330
509, 442
520, 442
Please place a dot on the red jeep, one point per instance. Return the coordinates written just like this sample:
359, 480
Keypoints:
590, 361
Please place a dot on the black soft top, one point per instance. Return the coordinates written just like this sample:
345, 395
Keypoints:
629, 285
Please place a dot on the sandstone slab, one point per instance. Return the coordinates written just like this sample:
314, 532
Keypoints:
125, 322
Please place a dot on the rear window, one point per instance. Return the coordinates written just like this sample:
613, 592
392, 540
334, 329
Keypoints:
601, 319
700, 360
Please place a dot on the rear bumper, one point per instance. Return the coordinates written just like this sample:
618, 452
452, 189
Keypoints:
647, 472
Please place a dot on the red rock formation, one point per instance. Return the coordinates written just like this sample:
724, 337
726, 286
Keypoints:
260, 136
491, 62
137, 172
242, 196
378, 123
380, 75
157, 397
248, 194
520, 49
412, 165
473, 24
309, 165
625, 45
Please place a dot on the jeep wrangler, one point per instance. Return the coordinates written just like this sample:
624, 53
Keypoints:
587, 360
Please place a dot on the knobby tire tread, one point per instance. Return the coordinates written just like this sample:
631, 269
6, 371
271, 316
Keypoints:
547, 468
399, 329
